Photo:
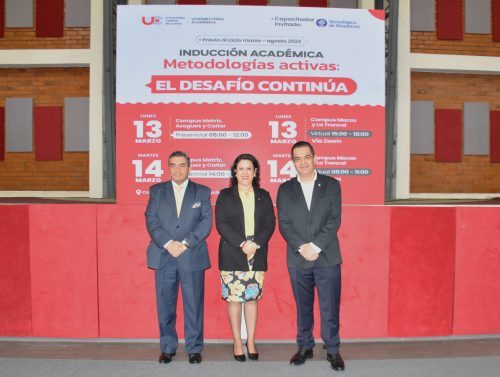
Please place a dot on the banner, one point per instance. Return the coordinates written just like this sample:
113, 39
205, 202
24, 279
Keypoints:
217, 81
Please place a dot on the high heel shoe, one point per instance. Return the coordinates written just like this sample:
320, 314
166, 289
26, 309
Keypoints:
252, 356
240, 358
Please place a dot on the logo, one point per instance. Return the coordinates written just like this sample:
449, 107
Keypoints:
321, 22
154, 20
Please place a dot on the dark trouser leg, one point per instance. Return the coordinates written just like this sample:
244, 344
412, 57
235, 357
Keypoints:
302, 280
167, 288
328, 282
193, 285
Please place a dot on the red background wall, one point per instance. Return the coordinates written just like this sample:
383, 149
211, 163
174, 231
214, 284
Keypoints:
78, 270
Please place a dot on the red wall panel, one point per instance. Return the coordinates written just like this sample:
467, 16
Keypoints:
495, 136
252, 2
477, 286
364, 242
495, 8
421, 272
2, 17
15, 294
2, 133
314, 3
448, 135
449, 19
400, 274
64, 270
48, 133
49, 18
127, 305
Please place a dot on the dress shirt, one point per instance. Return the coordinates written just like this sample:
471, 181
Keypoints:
307, 190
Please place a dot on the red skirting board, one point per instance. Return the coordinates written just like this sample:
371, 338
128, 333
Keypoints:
252, 2
448, 135
15, 286
449, 19
2, 133
49, 18
48, 133
314, 3
495, 8
495, 136
421, 271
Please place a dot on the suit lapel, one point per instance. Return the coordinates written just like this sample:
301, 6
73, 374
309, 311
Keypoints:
188, 199
169, 202
318, 192
297, 190
239, 207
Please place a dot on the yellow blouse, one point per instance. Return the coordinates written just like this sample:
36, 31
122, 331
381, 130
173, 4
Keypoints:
248, 201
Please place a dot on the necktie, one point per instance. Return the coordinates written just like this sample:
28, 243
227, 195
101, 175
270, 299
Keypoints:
178, 199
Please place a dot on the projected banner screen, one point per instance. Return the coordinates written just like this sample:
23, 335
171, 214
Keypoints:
217, 81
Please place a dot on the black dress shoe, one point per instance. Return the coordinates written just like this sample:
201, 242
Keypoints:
240, 358
336, 361
301, 356
194, 358
252, 356
166, 357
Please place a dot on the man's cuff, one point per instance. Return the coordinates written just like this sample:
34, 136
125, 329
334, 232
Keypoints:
165, 246
316, 248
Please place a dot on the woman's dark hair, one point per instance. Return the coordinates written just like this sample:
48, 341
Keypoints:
255, 163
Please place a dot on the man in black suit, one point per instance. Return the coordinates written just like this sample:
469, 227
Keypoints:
179, 219
309, 208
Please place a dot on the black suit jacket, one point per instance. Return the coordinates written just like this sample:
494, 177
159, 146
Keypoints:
298, 225
230, 224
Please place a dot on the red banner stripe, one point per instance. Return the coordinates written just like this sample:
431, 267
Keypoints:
448, 135
49, 18
2, 17
495, 9
450, 14
191, 2
314, 3
2, 133
495, 136
252, 2
48, 133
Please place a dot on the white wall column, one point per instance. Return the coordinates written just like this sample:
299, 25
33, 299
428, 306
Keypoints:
96, 129
403, 105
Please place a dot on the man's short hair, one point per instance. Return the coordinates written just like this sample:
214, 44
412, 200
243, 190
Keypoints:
300, 144
180, 154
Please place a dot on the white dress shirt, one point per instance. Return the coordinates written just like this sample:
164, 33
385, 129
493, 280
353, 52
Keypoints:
307, 190
182, 192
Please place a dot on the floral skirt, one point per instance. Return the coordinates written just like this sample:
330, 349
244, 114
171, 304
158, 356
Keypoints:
242, 286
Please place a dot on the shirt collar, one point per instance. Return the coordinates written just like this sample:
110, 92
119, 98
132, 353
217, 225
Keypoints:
183, 185
308, 183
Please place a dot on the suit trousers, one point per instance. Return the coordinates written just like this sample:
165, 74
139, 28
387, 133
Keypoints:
192, 283
327, 280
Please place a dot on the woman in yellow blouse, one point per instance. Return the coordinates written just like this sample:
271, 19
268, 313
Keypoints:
245, 220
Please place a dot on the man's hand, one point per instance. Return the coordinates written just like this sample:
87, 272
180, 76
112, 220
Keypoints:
308, 252
175, 248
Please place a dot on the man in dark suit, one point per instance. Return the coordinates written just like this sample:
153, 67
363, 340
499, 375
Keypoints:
309, 208
179, 218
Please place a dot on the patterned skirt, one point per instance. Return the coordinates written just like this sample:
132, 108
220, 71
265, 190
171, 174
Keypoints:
242, 286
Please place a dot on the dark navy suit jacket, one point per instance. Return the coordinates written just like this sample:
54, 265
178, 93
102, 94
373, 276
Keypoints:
193, 225
319, 225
